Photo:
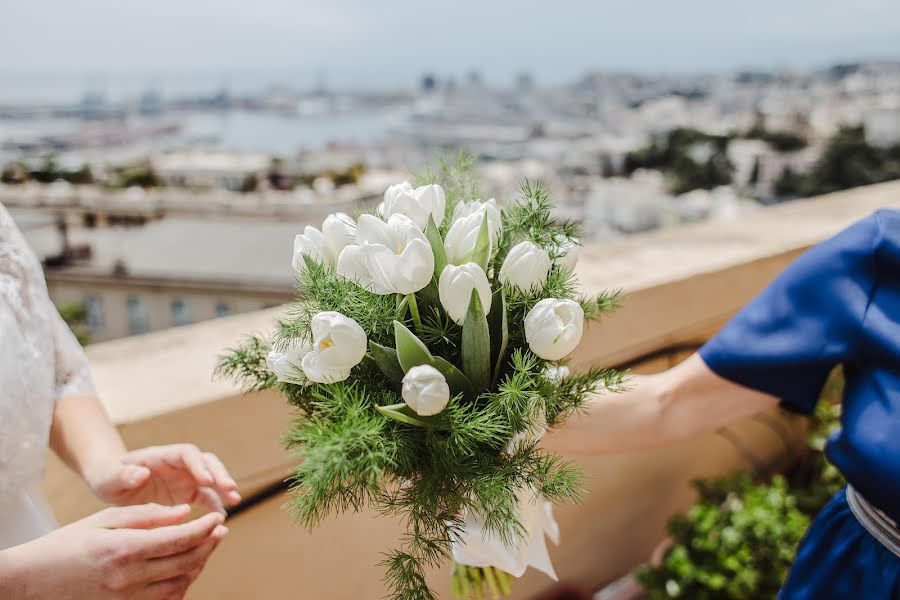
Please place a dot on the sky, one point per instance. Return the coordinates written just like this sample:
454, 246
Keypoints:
391, 43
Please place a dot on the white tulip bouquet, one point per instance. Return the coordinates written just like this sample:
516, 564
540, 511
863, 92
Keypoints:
426, 357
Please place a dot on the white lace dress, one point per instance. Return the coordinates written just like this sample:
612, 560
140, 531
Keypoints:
40, 362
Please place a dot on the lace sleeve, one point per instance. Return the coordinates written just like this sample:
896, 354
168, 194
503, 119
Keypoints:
73, 375
46, 337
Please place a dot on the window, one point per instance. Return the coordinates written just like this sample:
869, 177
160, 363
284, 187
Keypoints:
138, 318
222, 309
181, 312
93, 308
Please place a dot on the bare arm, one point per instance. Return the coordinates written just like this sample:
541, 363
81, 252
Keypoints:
81, 434
85, 439
656, 410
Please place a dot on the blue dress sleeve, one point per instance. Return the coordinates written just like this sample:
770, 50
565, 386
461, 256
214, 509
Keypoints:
788, 338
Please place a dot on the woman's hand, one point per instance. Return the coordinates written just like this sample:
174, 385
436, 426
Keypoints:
172, 474
147, 552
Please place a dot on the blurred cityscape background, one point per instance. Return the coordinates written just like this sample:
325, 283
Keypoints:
161, 158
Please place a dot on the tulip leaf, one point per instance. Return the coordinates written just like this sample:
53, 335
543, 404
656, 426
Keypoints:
456, 379
308, 262
387, 361
481, 254
410, 349
437, 246
476, 346
402, 306
401, 413
499, 331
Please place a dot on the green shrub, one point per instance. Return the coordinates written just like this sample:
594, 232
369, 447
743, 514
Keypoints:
737, 542
814, 480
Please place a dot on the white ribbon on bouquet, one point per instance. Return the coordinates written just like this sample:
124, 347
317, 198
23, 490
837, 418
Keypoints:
478, 547
475, 546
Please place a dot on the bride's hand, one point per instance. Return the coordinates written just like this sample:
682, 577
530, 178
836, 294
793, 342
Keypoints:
173, 474
147, 552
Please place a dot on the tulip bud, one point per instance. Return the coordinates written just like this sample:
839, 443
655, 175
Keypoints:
526, 266
554, 327
455, 287
338, 345
425, 390
287, 365
566, 254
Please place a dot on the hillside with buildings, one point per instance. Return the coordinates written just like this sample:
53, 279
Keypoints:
146, 210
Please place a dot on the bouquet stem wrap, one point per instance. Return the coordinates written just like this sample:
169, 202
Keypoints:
479, 546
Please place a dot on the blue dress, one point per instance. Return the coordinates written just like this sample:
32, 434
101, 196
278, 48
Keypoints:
838, 303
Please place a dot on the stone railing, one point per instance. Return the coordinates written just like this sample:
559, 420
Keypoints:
681, 285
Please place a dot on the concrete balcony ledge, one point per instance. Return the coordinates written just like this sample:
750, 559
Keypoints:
680, 284
723, 264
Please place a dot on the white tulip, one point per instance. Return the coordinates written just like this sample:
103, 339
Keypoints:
464, 209
526, 266
567, 254
418, 204
338, 345
325, 245
553, 328
392, 257
455, 287
425, 390
287, 365
463, 234
392, 193
310, 243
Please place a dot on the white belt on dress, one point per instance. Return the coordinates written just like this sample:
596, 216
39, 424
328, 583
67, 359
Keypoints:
874, 521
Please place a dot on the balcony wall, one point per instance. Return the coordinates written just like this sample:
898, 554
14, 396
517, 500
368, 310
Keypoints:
681, 285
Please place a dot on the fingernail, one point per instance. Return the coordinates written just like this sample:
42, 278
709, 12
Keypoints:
181, 507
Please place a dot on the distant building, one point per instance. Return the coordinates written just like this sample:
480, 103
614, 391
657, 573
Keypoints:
630, 205
195, 168
171, 272
882, 124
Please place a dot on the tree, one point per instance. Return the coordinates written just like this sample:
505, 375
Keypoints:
849, 161
782, 141
138, 176
672, 157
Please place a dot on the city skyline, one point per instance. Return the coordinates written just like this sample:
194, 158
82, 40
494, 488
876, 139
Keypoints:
359, 45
